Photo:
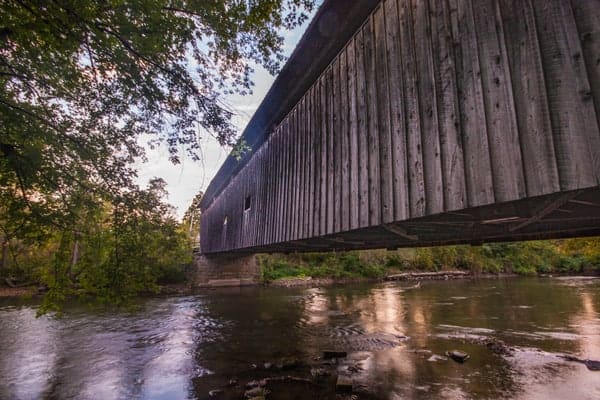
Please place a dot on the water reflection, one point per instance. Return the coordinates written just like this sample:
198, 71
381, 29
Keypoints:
396, 337
28, 353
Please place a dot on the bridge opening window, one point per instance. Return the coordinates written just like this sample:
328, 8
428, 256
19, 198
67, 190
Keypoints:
225, 221
247, 203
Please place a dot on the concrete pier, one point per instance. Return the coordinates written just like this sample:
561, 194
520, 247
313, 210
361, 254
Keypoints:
225, 270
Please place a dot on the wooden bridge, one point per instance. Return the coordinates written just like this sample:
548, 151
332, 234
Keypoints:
421, 122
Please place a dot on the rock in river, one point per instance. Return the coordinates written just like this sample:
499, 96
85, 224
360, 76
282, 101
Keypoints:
256, 392
458, 356
343, 384
592, 365
334, 354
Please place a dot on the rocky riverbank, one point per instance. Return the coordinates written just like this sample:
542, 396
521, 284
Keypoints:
6, 291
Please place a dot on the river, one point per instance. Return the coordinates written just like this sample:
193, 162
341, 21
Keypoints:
395, 336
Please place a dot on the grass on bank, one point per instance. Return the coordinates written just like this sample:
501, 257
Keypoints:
523, 258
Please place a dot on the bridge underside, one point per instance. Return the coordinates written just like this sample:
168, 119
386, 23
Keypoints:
560, 215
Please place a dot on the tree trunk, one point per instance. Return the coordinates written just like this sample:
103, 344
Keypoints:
74, 256
4, 256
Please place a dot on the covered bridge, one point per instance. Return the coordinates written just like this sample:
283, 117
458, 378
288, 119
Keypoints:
421, 122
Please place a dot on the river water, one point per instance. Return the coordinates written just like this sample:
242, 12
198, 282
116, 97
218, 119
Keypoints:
395, 337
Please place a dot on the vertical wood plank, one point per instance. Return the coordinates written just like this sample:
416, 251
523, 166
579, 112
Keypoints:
412, 114
298, 172
282, 182
373, 125
307, 164
311, 163
353, 135
300, 144
432, 167
529, 91
249, 235
478, 170
292, 163
259, 190
571, 111
336, 150
344, 142
363, 149
587, 18
267, 189
277, 184
286, 178
290, 195
330, 152
315, 150
453, 174
505, 151
383, 117
397, 119
324, 142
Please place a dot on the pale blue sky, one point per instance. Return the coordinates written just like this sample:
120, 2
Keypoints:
189, 177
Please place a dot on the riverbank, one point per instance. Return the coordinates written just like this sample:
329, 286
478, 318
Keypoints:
6, 291
559, 257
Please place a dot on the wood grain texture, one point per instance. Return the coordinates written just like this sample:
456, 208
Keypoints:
433, 106
353, 136
446, 92
397, 116
478, 168
505, 151
430, 137
572, 114
587, 20
531, 103
363, 143
386, 180
412, 111
345, 144
336, 136
373, 123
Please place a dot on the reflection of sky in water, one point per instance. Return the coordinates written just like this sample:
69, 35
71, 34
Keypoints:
167, 375
585, 330
27, 353
148, 355
316, 307
178, 348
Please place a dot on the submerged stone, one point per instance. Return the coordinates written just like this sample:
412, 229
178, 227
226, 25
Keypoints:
343, 384
592, 365
256, 392
458, 356
334, 354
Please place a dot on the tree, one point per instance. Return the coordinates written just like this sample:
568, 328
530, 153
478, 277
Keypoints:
119, 250
191, 218
82, 81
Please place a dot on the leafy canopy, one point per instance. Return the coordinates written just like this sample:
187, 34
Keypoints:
82, 81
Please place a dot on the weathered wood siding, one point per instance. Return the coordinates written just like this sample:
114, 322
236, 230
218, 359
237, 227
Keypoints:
432, 106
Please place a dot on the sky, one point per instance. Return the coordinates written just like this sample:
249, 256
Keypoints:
186, 179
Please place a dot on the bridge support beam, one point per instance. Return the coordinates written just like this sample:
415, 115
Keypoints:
225, 270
